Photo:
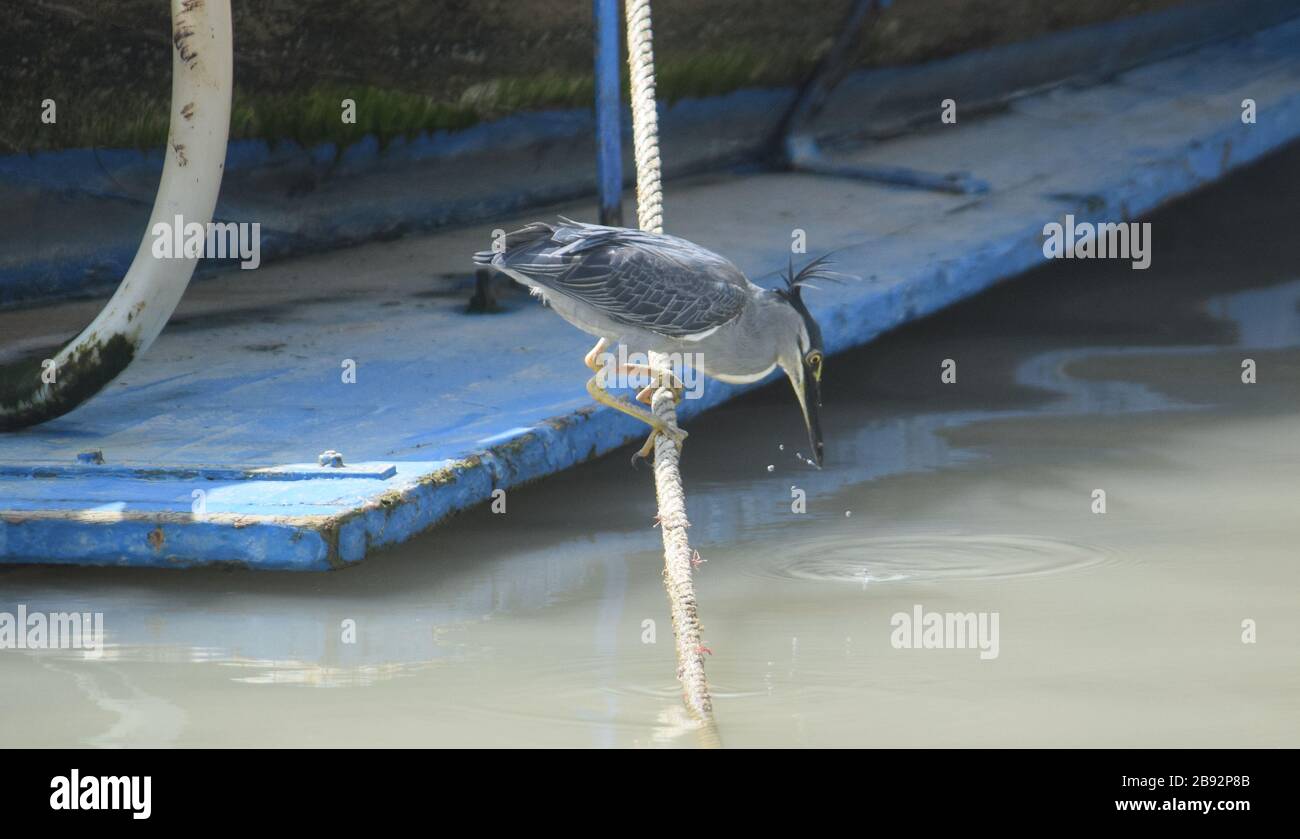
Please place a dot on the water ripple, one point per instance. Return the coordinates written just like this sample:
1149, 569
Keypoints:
867, 560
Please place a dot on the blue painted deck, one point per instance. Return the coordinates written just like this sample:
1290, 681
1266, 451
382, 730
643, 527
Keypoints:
244, 389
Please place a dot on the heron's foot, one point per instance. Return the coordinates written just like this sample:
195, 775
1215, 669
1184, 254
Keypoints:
658, 379
597, 390
647, 394
672, 432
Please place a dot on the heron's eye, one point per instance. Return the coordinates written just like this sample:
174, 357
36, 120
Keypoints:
814, 360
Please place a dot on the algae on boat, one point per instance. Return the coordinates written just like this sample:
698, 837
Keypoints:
415, 66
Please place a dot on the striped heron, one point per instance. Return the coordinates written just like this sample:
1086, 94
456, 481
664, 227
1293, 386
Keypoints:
663, 294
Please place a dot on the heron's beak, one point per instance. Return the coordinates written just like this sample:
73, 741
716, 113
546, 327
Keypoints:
809, 391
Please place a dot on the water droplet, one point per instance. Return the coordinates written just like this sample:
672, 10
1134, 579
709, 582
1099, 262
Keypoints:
848, 513
771, 468
781, 446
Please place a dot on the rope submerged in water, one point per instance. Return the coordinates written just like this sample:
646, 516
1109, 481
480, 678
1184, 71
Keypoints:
678, 556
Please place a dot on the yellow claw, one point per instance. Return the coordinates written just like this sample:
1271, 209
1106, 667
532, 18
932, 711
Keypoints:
597, 391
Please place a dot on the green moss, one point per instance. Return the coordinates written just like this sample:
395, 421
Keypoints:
725, 71
314, 116
427, 65
81, 377
19, 382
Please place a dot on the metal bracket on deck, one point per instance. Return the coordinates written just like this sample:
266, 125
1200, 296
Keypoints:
797, 148
806, 156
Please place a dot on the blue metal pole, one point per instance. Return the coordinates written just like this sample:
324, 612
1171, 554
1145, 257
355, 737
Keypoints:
609, 105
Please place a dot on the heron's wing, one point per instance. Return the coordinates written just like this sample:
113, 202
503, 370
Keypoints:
658, 283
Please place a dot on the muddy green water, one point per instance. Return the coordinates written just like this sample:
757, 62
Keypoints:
1115, 629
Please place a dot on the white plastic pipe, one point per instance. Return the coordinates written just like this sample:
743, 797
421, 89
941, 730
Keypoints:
202, 62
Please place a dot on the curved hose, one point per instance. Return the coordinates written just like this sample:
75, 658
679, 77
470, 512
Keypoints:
202, 61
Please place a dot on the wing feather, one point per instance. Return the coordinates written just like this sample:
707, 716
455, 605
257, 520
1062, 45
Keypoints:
659, 283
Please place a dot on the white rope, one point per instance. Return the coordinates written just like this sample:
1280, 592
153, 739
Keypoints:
678, 556
645, 117
678, 567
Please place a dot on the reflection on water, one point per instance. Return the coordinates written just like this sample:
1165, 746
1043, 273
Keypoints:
141, 719
548, 626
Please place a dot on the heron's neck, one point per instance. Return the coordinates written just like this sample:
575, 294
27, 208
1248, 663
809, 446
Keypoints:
783, 329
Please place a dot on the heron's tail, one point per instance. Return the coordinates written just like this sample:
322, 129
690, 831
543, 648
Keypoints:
513, 241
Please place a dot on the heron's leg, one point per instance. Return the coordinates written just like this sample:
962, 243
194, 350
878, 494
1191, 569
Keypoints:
590, 360
604, 397
659, 377
649, 447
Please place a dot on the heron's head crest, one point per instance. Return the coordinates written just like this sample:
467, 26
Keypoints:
793, 292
